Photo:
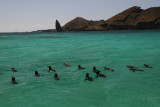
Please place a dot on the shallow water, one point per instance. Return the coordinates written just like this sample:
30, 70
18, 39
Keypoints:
28, 52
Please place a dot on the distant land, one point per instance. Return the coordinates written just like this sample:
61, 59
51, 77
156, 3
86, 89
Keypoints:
133, 18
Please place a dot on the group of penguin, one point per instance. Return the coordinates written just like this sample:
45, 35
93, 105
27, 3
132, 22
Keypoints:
87, 77
134, 68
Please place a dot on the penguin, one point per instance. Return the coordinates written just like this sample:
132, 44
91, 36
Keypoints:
37, 74
100, 75
135, 69
88, 77
129, 66
147, 66
79, 67
56, 76
105, 68
66, 64
50, 69
95, 70
13, 80
14, 70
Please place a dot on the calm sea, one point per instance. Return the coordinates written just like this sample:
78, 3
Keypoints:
28, 52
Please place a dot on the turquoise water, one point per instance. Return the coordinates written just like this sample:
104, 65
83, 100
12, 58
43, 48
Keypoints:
28, 52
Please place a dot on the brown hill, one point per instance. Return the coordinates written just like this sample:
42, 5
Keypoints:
76, 24
132, 18
81, 24
126, 17
136, 18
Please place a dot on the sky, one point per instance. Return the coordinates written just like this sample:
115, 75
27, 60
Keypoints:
32, 15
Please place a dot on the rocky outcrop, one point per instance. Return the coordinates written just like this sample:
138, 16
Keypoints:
81, 24
149, 19
133, 18
76, 24
58, 26
127, 17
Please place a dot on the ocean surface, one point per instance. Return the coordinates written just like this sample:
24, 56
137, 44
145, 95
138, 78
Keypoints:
28, 52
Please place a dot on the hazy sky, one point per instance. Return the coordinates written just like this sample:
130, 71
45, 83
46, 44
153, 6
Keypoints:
30, 15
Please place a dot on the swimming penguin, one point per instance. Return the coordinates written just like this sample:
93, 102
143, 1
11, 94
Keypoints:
129, 66
105, 68
100, 75
135, 69
147, 66
56, 76
88, 77
13, 80
95, 70
79, 67
37, 74
13, 69
50, 69
66, 64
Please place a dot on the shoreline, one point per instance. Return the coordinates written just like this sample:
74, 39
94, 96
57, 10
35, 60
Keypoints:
148, 30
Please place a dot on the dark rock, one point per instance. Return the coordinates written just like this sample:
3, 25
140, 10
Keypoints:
58, 26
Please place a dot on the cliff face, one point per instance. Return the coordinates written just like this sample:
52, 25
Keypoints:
132, 18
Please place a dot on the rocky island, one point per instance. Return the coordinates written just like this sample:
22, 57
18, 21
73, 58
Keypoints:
133, 18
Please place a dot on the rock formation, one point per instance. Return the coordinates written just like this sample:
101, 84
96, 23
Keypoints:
76, 24
81, 24
133, 18
58, 26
